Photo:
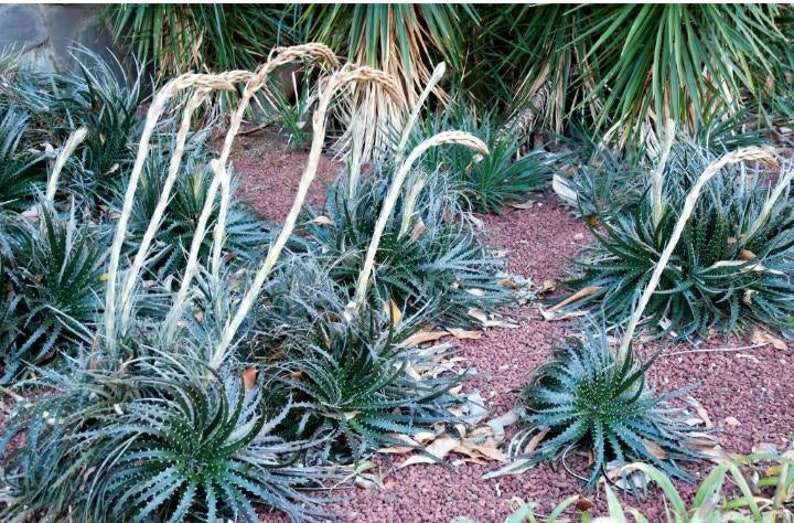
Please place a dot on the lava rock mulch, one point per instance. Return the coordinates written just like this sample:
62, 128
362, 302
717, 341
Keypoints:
746, 393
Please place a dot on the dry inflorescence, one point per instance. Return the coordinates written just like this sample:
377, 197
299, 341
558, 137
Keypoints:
195, 89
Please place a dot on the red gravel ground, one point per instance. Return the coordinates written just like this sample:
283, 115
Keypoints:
753, 386
271, 171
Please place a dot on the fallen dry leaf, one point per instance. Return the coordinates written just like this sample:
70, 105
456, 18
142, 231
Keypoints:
761, 336
367, 482
424, 436
423, 336
487, 321
507, 284
488, 450
523, 205
701, 412
747, 357
439, 449
499, 423
655, 450
407, 449
418, 230
578, 295
249, 378
465, 335
764, 447
732, 422
514, 467
627, 477
560, 186
456, 389
716, 454
551, 316
478, 315
746, 255
322, 220
393, 311
536, 440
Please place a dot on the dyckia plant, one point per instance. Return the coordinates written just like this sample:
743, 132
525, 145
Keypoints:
732, 266
159, 439
353, 382
587, 398
54, 282
428, 252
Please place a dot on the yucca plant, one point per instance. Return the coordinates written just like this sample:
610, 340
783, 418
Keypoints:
619, 66
732, 266
428, 252
352, 383
402, 40
589, 399
159, 438
177, 39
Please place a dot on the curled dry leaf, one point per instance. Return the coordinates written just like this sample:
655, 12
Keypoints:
475, 408
439, 450
517, 466
561, 186
368, 482
424, 436
762, 337
553, 316
418, 230
410, 445
536, 440
32, 213
765, 447
476, 292
626, 477
701, 411
523, 205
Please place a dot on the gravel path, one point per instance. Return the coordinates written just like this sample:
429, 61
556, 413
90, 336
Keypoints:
754, 387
